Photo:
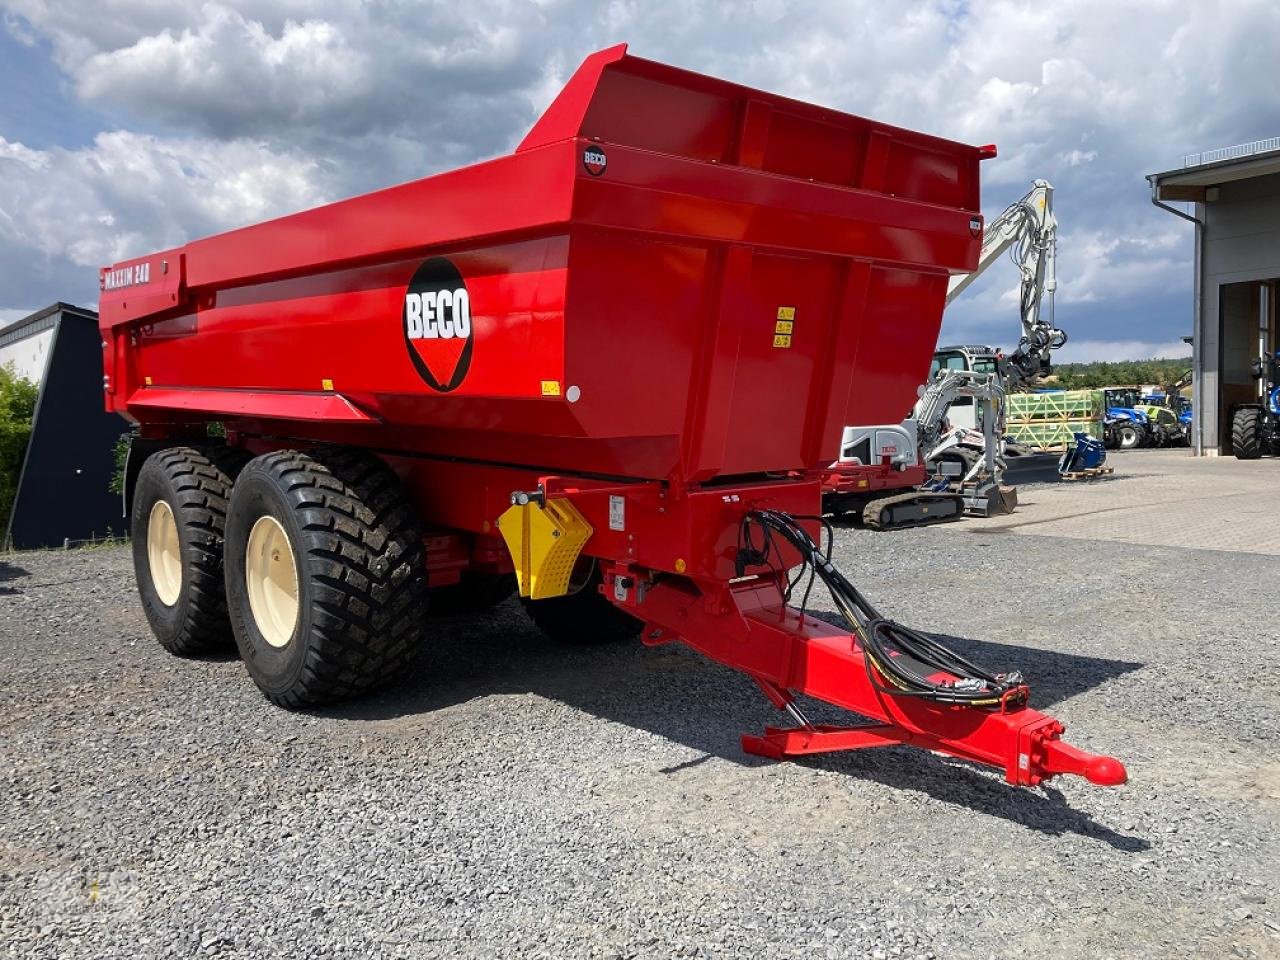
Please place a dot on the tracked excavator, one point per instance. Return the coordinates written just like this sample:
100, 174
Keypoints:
947, 458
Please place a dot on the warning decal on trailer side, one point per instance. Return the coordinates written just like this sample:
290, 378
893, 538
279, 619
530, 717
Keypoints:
783, 329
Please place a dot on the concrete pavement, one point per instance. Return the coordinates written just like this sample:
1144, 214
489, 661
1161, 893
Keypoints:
1157, 497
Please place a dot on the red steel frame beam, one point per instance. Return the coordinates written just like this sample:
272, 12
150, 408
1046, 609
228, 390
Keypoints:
747, 625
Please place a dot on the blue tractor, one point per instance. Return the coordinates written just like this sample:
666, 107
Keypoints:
1255, 427
1125, 426
1183, 407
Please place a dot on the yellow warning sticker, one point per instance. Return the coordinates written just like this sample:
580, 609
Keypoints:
551, 388
326, 384
783, 326
786, 313
782, 340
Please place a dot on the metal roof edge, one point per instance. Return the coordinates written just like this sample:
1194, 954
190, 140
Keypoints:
55, 307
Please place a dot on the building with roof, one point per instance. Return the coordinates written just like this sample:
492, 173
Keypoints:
63, 491
25, 343
1234, 195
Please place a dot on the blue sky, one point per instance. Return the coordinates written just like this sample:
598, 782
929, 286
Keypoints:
36, 108
127, 125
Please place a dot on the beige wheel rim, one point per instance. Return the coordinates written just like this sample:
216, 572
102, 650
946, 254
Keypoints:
271, 578
164, 553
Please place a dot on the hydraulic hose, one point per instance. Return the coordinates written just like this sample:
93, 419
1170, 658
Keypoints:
892, 651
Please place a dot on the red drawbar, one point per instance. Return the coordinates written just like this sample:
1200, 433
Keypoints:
748, 626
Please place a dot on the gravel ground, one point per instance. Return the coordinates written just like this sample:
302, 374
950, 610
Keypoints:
512, 799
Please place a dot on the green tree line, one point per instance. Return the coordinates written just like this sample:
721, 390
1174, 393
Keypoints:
1082, 376
17, 407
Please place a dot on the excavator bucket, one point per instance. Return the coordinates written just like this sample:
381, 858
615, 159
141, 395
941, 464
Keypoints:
1004, 499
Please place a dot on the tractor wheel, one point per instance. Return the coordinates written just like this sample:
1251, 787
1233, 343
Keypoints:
1246, 429
325, 572
474, 593
1130, 436
177, 522
583, 617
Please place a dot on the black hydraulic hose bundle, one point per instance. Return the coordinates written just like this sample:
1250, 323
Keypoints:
890, 649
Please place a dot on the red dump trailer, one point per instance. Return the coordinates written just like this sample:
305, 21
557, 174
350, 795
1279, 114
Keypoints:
606, 370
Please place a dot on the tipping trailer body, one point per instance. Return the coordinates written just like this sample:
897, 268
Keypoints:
653, 286
649, 321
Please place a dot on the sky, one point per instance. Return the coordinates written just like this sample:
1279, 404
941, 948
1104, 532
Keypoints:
132, 125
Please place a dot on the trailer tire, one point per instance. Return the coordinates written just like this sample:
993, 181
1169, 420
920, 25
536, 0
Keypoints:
583, 618
1246, 430
326, 576
474, 593
177, 524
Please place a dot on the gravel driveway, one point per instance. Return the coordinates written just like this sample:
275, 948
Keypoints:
513, 799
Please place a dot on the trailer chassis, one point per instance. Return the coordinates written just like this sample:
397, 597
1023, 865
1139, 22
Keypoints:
742, 619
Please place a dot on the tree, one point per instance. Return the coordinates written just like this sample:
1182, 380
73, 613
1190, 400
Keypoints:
17, 408
1083, 376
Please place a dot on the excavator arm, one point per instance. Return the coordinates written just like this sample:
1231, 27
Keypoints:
1028, 231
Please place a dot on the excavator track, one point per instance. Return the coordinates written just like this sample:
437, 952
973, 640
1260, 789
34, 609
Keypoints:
915, 508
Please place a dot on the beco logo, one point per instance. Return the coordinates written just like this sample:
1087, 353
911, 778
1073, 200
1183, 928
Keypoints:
437, 324
594, 160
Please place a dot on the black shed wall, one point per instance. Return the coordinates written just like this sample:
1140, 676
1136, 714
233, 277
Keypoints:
63, 491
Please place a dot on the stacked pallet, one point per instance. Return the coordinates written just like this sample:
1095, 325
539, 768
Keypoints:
1049, 420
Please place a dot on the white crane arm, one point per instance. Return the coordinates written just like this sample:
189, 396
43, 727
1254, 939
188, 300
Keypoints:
1029, 231
1030, 218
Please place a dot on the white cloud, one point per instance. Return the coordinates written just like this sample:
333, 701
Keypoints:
1077, 157
312, 73
255, 107
9, 316
64, 213
1096, 265
17, 154
230, 70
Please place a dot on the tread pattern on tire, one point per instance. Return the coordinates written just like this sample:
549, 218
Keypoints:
1246, 426
201, 481
364, 558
